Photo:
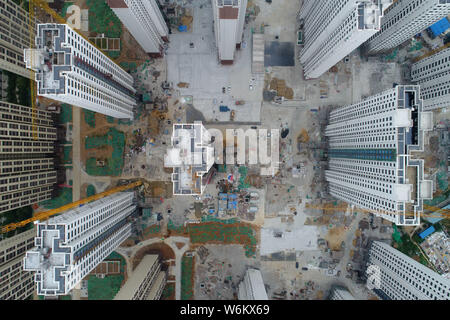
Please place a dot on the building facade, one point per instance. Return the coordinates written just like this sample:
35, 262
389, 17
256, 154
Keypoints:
399, 277
70, 69
433, 76
403, 20
229, 20
15, 283
191, 156
252, 287
14, 37
340, 293
144, 21
71, 245
334, 28
27, 172
370, 156
146, 282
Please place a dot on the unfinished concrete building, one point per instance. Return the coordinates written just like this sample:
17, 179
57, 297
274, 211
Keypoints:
145, 22
15, 283
371, 154
395, 276
71, 245
403, 20
433, 76
27, 173
14, 37
71, 70
229, 20
147, 281
333, 29
191, 156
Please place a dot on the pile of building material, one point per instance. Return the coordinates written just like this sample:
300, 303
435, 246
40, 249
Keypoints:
186, 20
282, 90
183, 85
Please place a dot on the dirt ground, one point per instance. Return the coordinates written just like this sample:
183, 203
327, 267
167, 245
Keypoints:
101, 128
335, 237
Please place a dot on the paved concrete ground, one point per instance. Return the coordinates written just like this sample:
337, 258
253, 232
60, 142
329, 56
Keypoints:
200, 68
223, 269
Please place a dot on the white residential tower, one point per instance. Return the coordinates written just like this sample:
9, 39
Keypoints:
252, 286
395, 276
145, 22
334, 28
71, 70
229, 20
433, 76
403, 20
371, 154
71, 245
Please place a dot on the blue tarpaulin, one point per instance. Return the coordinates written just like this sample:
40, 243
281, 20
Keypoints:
182, 28
440, 27
427, 232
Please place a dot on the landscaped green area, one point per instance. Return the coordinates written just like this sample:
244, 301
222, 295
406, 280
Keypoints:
114, 164
64, 8
90, 190
67, 159
66, 113
103, 20
168, 291
187, 266
89, 117
64, 197
129, 66
104, 289
438, 199
225, 231
407, 246
14, 216
108, 287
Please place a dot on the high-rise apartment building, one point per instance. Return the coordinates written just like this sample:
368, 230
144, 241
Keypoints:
252, 287
15, 283
27, 173
403, 20
69, 246
396, 276
334, 28
145, 22
146, 282
229, 20
433, 76
71, 70
340, 293
14, 37
371, 146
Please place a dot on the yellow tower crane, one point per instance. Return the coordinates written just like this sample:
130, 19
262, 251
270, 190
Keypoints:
47, 214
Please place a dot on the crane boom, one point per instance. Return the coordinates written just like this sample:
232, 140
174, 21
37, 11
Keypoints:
46, 214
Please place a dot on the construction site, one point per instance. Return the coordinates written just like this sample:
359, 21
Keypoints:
286, 225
